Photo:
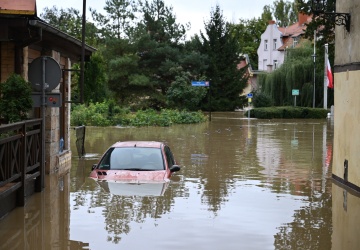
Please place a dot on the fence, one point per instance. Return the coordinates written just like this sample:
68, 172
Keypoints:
21, 164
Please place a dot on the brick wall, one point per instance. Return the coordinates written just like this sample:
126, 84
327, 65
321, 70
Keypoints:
7, 63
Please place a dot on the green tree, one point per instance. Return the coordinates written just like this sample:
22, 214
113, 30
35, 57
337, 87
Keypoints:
325, 34
223, 50
267, 13
70, 21
249, 32
295, 73
120, 18
95, 80
181, 95
285, 12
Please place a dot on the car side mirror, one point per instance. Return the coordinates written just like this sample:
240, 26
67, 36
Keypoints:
174, 168
93, 167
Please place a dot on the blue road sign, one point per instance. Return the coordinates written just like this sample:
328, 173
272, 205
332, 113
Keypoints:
200, 83
250, 95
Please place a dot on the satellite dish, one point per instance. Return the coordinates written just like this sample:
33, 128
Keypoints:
52, 73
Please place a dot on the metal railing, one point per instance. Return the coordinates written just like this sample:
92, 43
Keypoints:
21, 159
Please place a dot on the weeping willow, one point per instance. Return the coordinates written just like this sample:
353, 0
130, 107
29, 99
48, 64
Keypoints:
297, 72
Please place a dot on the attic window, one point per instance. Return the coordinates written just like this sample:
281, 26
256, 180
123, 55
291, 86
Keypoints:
275, 44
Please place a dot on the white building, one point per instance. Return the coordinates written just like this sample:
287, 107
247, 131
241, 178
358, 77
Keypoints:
275, 40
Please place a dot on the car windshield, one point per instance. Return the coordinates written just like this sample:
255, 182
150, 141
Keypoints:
134, 158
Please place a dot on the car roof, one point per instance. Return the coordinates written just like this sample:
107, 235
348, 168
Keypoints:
140, 144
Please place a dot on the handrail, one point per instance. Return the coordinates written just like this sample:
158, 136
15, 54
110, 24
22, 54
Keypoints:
20, 155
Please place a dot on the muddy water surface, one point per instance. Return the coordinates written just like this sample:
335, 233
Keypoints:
244, 184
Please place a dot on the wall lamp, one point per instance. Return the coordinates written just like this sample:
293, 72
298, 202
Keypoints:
318, 9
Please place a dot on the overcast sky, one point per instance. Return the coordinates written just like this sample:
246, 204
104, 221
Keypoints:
193, 11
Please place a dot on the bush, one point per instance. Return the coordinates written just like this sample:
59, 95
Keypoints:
16, 100
262, 100
107, 114
288, 113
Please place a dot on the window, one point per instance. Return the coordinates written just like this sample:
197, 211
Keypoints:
169, 157
275, 64
295, 41
266, 45
264, 64
274, 44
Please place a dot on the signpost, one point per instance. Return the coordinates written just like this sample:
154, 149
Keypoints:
295, 92
203, 84
249, 96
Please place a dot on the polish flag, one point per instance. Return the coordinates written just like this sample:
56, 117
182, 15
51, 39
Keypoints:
330, 82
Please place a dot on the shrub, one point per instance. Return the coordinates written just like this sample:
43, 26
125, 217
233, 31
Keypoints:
288, 113
262, 100
16, 100
107, 114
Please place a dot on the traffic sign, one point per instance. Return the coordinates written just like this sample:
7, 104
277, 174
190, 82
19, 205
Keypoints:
200, 83
52, 100
250, 95
295, 92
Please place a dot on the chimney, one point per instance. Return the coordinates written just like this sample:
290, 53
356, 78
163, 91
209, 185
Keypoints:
302, 18
271, 22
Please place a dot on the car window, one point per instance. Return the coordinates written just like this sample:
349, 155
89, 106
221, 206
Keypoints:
105, 161
169, 156
136, 158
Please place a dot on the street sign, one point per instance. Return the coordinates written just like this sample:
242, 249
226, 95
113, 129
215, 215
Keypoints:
52, 73
295, 92
52, 100
200, 83
250, 95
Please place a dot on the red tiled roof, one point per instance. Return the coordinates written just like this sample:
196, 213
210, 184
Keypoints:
18, 7
297, 28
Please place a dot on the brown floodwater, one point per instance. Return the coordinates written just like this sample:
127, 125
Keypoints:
243, 184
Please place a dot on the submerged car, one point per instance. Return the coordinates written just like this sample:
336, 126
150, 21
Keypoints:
136, 161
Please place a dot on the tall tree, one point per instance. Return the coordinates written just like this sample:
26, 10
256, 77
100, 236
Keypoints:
285, 12
119, 20
325, 34
267, 13
223, 50
145, 65
70, 21
249, 32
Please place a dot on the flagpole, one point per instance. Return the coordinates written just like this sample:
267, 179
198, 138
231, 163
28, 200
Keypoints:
314, 68
325, 76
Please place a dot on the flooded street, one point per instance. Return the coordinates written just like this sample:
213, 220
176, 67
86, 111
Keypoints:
243, 184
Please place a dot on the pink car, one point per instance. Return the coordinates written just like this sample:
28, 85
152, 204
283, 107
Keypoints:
136, 161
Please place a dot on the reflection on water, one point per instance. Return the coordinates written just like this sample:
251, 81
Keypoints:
244, 184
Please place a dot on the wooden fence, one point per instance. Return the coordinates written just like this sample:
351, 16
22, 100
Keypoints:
21, 164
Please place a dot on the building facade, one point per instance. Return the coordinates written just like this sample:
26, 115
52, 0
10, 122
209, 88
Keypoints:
23, 38
346, 160
275, 40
